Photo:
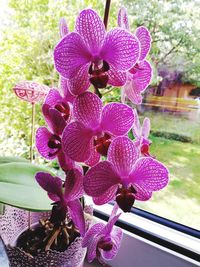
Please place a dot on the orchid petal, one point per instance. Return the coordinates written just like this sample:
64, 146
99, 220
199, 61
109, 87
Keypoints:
123, 153
53, 98
141, 76
123, 19
116, 78
116, 236
91, 28
63, 28
70, 55
134, 96
94, 158
146, 126
77, 215
141, 193
109, 226
113, 118
42, 138
77, 141
144, 38
107, 196
64, 89
150, 174
80, 82
64, 161
87, 109
136, 126
73, 185
91, 249
54, 119
100, 178
120, 49
53, 185
94, 230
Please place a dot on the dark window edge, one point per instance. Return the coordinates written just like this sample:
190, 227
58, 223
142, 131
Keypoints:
151, 237
166, 222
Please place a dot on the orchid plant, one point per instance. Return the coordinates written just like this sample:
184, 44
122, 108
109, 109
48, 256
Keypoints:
90, 138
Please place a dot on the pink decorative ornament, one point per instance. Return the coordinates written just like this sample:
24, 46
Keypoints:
31, 91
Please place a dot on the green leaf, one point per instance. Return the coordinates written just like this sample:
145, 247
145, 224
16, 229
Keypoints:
19, 188
4, 160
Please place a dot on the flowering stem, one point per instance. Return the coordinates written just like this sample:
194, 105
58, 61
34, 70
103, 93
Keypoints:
106, 13
32, 131
31, 149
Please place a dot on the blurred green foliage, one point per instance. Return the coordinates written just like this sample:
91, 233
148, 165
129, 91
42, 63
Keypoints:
31, 32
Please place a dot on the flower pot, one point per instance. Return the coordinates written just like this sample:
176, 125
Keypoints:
14, 222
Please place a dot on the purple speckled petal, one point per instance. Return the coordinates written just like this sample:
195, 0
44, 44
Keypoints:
87, 109
80, 82
54, 119
146, 127
63, 28
116, 78
64, 89
70, 55
150, 174
134, 96
73, 185
120, 49
77, 142
107, 196
100, 178
91, 28
94, 158
42, 138
123, 153
142, 194
136, 126
113, 118
53, 185
141, 76
94, 230
144, 38
53, 98
77, 215
91, 249
116, 237
64, 161
123, 19
109, 226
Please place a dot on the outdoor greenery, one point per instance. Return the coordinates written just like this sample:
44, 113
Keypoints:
27, 38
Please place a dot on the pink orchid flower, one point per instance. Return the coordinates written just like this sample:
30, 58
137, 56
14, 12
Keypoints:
90, 55
103, 241
141, 133
66, 196
124, 176
139, 76
31, 91
56, 112
90, 135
